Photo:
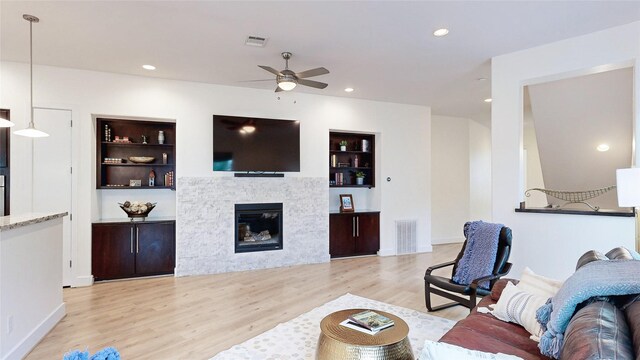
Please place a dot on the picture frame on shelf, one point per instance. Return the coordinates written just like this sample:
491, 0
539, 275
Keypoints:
346, 203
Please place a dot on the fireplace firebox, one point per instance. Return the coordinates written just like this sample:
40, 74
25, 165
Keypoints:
258, 227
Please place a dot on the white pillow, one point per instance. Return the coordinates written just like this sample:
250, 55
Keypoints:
520, 307
437, 350
538, 285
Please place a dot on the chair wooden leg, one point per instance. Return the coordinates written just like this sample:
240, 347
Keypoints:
427, 295
472, 301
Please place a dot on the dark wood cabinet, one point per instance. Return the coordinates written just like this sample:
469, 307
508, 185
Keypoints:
114, 168
358, 156
352, 234
131, 249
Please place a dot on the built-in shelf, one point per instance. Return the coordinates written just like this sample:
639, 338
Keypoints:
128, 164
359, 156
109, 174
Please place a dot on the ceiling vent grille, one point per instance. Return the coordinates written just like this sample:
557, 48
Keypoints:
255, 41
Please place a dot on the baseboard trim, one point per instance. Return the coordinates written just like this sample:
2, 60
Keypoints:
392, 251
423, 249
81, 281
387, 252
449, 240
38, 333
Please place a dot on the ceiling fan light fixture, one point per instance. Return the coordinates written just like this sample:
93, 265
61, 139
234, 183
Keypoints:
287, 82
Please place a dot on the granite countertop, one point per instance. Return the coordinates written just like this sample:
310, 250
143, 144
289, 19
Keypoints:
361, 211
137, 220
15, 221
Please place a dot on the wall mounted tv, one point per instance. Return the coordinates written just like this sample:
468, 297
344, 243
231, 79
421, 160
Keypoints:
255, 144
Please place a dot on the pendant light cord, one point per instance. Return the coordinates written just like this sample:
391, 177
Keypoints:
31, 124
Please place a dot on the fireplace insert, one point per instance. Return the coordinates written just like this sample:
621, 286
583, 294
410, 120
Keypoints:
258, 227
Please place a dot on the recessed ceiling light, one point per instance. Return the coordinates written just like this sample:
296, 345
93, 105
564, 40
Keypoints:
481, 79
148, 67
602, 147
488, 100
348, 89
441, 32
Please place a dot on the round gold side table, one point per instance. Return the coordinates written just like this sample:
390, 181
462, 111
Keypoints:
340, 342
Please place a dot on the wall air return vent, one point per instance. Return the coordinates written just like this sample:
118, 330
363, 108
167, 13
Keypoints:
256, 41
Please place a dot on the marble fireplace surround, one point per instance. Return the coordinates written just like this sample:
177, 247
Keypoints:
205, 222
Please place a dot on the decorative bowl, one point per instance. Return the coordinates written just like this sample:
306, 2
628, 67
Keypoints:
141, 159
137, 209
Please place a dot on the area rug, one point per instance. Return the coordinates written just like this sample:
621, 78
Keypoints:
296, 338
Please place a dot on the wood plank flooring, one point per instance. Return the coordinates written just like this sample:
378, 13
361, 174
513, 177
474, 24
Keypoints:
197, 317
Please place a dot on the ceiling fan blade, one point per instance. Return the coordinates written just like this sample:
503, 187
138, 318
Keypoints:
270, 69
312, 72
255, 80
313, 84
278, 89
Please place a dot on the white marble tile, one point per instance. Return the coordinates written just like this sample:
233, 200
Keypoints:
205, 223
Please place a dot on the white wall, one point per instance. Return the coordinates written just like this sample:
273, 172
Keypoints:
479, 171
403, 145
450, 187
551, 244
461, 176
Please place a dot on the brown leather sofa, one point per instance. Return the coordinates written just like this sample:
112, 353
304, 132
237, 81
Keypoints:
599, 330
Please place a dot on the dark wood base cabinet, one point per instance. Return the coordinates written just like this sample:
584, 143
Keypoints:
352, 234
131, 249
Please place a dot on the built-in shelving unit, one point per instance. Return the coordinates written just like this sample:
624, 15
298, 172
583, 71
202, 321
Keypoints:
118, 175
359, 156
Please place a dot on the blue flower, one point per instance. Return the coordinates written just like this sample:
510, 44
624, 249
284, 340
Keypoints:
76, 355
106, 354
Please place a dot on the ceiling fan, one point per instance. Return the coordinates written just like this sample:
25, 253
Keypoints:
287, 79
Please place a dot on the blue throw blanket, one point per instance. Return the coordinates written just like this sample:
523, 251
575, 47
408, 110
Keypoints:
597, 278
480, 253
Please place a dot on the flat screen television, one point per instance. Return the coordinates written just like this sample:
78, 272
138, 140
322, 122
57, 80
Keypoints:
255, 145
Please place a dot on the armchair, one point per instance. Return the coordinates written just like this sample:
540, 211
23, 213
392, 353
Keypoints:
444, 286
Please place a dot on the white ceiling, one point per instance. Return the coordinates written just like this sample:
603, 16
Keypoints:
385, 50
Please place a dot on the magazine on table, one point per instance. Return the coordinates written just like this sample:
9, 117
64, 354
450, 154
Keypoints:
354, 326
368, 320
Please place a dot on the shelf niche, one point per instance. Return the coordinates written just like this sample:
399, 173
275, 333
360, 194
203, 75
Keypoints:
117, 175
344, 164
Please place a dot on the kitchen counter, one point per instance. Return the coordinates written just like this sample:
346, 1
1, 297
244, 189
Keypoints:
31, 301
15, 221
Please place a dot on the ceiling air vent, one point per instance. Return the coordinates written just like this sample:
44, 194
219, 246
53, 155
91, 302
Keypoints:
255, 41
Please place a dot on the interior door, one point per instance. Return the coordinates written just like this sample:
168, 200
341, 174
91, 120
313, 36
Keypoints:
52, 174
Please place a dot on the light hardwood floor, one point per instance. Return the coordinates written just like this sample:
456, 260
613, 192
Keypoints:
197, 317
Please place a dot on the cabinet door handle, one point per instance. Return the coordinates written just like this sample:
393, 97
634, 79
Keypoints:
357, 226
353, 226
131, 240
137, 239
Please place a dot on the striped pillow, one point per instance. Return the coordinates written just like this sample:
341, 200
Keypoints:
538, 285
520, 307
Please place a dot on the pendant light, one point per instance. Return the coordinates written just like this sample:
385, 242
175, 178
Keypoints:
31, 131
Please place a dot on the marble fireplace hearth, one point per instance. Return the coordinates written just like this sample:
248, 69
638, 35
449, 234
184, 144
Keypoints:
205, 223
